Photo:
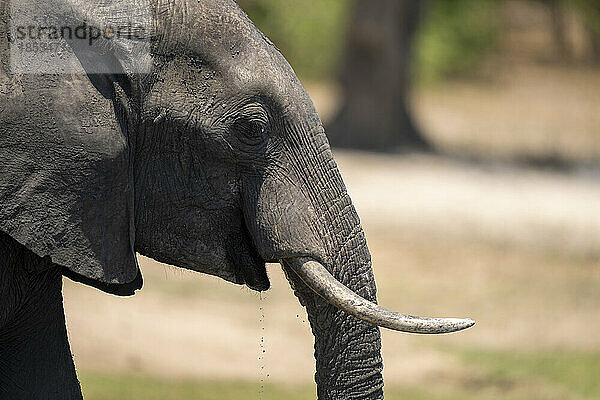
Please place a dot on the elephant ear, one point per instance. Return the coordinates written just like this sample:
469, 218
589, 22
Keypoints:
66, 183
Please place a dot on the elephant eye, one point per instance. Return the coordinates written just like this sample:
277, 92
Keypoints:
250, 130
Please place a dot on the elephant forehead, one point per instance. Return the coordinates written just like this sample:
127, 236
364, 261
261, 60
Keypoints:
205, 27
221, 35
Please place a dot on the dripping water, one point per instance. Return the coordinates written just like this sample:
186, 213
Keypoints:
262, 350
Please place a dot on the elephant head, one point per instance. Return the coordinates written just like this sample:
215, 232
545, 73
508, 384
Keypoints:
213, 160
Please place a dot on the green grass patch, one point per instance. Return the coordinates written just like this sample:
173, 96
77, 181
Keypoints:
128, 387
495, 375
576, 373
101, 386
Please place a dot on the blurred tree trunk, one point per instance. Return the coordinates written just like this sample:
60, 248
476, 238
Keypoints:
594, 47
376, 78
559, 30
593, 32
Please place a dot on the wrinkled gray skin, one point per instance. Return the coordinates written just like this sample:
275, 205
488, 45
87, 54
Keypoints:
216, 162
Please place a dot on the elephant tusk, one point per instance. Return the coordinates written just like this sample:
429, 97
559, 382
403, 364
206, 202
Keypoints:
325, 285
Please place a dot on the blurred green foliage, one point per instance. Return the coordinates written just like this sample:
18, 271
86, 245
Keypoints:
590, 10
310, 33
455, 36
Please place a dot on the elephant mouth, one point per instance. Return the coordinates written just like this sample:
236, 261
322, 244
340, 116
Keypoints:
248, 266
256, 279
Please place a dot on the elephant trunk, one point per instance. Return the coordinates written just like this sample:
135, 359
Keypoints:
347, 349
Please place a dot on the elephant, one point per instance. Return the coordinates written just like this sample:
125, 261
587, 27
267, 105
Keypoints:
196, 145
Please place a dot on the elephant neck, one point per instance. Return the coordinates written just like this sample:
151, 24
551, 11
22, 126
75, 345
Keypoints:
35, 356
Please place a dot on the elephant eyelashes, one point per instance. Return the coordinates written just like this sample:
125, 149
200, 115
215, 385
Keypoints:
250, 132
251, 129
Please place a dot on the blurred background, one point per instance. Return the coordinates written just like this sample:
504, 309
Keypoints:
468, 133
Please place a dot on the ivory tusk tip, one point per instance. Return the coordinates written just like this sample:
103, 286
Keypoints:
435, 326
451, 325
461, 323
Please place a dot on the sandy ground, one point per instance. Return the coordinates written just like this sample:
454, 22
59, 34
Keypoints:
532, 209
516, 250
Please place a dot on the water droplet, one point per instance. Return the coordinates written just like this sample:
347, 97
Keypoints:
261, 359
